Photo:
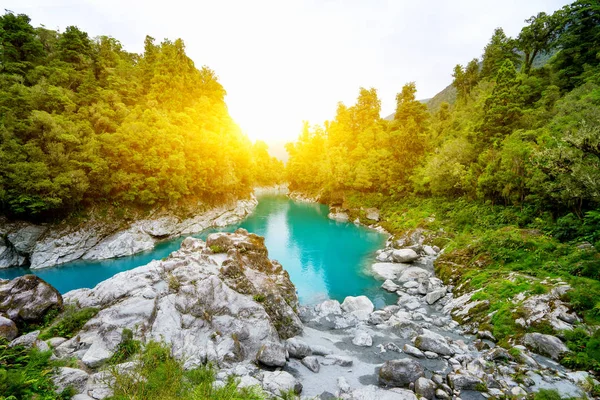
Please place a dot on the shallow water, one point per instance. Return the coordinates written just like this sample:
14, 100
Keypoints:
325, 259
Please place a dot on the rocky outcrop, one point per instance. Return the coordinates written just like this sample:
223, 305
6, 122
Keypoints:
28, 298
548, 345
43, 246
205, 304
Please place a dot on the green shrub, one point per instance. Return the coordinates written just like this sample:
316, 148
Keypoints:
69, 322
217, 249
165, 379
546, 394
25, 374
259, 297
127, 348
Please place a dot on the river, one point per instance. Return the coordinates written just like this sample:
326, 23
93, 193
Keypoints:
325, 259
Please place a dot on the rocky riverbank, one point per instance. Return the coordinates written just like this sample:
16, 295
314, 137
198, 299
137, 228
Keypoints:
42, 246
225, 302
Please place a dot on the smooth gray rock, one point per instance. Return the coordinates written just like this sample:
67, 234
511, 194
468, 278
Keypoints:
28, 298
388, 270
425, 388
328, 307
431, 341
413, 351
548, 345
28, 340
404, 256
25, 238
390, 286
108, 239
271, 354
280, 381
312, 363
8, 329
359, 306
413, 274
70, 377
464, 381
400, 373
435, 295
297, 348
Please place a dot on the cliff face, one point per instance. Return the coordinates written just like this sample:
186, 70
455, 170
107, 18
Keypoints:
42, 246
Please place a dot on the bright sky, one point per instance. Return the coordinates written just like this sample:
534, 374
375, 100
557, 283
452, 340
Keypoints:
285, 61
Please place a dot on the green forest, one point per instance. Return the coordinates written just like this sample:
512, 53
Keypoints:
507, 174
82, 122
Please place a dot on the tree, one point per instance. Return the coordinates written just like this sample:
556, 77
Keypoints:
20, 49
499, 49
539, 36
579, 42
465, 79
503, 107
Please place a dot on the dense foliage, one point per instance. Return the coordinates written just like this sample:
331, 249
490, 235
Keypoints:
25, 374
509, 173
164, 378
517, 134
84, 121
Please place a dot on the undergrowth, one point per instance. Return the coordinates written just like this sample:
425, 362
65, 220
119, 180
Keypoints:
158, 375
25, 374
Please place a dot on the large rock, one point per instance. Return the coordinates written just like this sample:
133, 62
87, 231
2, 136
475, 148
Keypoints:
280, 381
271, 355
414, 274
29, 340
435, 295
8, 329
70, 377
312, 363
297, 348
359, 306
431, 341
388, 270
400, 373
210, 307
464, 381
404, 256
425, 388
547, 345
125, 243
25, 238
28, 298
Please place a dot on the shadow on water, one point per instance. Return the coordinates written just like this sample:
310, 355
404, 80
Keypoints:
325, 259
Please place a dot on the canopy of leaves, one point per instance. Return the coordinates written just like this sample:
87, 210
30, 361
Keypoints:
83, 121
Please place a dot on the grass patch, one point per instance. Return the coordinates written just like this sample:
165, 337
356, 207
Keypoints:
69, 322
164, 378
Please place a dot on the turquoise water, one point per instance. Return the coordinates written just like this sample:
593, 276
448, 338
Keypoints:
325, 259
